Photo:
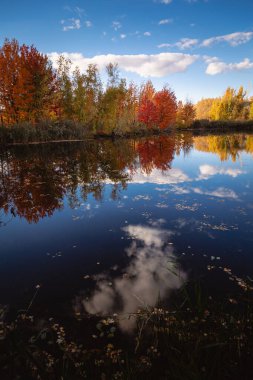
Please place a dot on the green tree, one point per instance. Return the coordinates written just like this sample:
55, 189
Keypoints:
112, 101
86, 96
93, 88
65, 89
79, 95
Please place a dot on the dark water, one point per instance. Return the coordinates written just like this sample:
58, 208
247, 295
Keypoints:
107, 227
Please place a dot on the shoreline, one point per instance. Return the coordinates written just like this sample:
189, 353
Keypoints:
32, 135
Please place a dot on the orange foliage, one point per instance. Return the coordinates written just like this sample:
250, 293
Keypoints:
27, 83
156, 153
157, 109
31, 91
147, 113
166, 107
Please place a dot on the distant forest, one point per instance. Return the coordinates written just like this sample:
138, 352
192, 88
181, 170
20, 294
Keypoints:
32, 91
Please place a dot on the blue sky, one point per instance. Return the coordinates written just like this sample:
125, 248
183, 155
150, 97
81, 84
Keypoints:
198, 47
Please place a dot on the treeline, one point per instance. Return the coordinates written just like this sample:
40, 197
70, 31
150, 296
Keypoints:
234, 105
32, 91
38, 102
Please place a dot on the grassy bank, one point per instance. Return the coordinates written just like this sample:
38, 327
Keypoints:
221, 125
61, 131
196, 337
69, 130
44, 131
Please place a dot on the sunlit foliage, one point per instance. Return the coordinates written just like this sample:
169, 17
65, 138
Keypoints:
185, 113
27, 84
33, 92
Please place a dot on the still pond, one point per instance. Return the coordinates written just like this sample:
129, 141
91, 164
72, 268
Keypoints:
106, 227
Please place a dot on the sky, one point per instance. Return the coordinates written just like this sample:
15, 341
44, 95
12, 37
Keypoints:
196, 47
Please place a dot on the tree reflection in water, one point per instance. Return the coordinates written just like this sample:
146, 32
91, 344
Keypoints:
35, 179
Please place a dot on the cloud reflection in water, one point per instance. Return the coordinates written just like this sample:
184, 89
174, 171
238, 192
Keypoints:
151, 273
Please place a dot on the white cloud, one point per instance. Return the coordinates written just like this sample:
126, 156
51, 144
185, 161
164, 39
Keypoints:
172, 176
165, 1
179, 190
220, 192
165, 21
88, 24
152, 272
149, 236
123, 36
233, 39
184, 43
153, 65
207, 171
208, 59
187, 43
147, 34
162, 46
219, 67
116, 25
73, 23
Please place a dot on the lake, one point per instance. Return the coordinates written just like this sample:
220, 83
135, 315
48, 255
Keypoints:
107, 227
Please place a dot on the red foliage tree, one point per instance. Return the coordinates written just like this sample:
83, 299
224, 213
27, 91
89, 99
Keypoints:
156, 153
157, 109
27, 83
147, 113
166, 107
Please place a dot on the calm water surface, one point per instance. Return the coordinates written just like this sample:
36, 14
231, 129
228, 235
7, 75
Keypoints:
106, 227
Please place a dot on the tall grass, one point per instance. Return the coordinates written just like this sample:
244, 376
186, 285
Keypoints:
43, 131
196, 337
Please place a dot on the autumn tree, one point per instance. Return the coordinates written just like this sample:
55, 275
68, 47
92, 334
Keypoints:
215, 109
251, 109
113, 100
65, 89
27, 83
185, 113
233, 105
203, 108
93, 94
166, 107
87, 91
79, 95
127, 120
147, 113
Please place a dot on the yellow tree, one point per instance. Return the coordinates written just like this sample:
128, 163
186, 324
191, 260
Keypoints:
251, 109
186, 113
203, 108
